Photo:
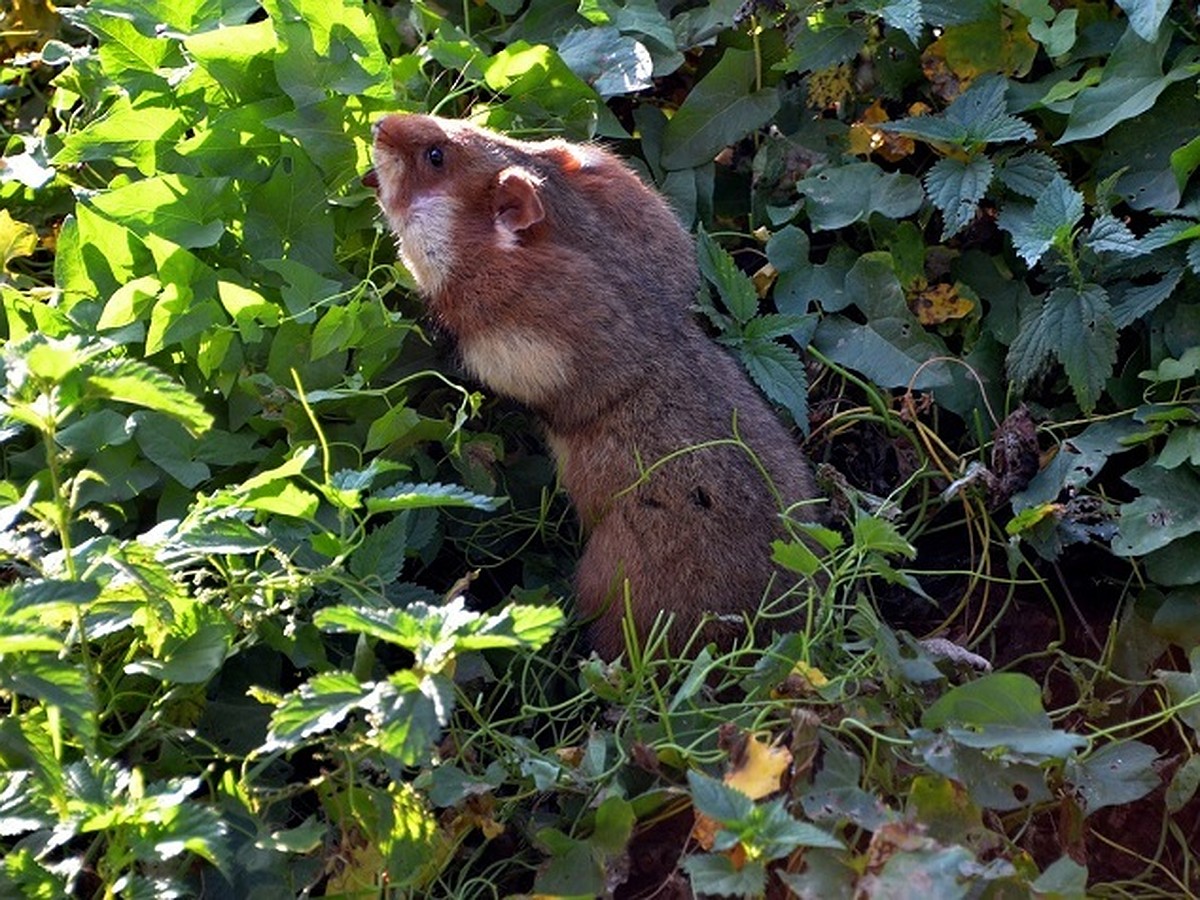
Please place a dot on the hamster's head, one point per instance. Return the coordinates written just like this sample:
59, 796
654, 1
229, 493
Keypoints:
454, 194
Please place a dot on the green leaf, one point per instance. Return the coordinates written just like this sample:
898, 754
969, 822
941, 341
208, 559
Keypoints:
1077, 328
819, 45
780, 372
1048, 222
1109, 234
418, 496
1168, 508
1183, 689
955, 187
717, 800
720, 110
1003, 709
735, 287
714, 874
191, 659
1184, 784
615, 819
1132, 81
840, 196
327, 48
1118, 773
1030, 174
1065, 879
891, 348
57, 682
978, 116
1058, 36
409, 712
166, 444
611, 62
317, 705
1145, 16
139, 137
876, 535
187, 211
133, 381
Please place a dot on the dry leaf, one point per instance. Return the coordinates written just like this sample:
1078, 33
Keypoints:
940, 302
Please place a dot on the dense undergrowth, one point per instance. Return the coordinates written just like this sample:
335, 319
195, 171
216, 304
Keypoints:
244, 495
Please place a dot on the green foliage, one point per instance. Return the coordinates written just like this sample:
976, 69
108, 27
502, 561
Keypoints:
241, 505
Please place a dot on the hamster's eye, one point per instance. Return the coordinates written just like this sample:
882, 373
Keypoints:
436, 156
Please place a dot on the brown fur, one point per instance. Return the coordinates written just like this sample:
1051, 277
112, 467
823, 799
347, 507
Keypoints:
567, 283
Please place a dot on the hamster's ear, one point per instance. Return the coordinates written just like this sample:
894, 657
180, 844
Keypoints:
518, 204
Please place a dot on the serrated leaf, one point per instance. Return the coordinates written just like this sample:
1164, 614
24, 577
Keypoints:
839, 196
978, 116
408, 712
1077, 328
735, 286
1036, 229
720, 110
780, 373
407, 495
905, 15
1029, 174
191, 659
955, 187
715, 874
56, 682
819, 45
1131, 302
717, 800
1109, 234
133, 381
317, 705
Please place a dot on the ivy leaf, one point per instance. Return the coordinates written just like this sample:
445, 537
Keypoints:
1132, 81
721, 109
1167, 509
841, 196
978, 116
1145, 16
1118, 773
1036, 229
955, 187
1077, 328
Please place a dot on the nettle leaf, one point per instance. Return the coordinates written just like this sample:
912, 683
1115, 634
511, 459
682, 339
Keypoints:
133, 381
1109, 234
1132, 81
408, 712
717, 800
840, 196
955, 187
56, 682
978, 116
1077, 328
735, 286
317, 705
407, 495
716, 874
1030, 173
720, 110
780, 373
819, 45
1131, 302
1051, 220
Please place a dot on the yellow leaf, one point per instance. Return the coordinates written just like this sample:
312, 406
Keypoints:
865, 138
760, 769
940, 302
16, 239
